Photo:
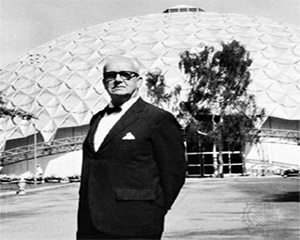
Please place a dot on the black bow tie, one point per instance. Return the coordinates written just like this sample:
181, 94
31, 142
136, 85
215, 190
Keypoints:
110, 110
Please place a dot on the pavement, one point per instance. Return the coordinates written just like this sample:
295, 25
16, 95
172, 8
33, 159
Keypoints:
229, 208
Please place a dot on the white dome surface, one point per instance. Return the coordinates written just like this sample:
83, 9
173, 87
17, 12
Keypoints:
62, 85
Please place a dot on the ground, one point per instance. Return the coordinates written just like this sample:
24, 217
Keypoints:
230, 208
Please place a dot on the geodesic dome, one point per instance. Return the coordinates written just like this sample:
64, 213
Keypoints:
61, 81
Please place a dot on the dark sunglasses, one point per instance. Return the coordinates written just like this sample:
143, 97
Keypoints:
125, 75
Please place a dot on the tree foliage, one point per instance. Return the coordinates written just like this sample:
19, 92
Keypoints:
156, 88
13, 112
218, 89
218, 105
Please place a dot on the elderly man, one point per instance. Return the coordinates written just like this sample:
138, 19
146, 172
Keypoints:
133, 162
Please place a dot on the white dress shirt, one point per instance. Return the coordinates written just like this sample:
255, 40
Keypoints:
108, 121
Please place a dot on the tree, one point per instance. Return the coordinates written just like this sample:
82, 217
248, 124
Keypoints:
13, 112
157, 91
219, 107
156, 88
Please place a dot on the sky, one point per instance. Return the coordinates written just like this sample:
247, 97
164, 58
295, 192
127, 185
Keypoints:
27, 24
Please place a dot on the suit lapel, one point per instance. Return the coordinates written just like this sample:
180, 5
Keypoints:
94, 123
126, 120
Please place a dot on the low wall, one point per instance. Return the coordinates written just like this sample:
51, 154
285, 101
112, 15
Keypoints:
274, 154
64, 164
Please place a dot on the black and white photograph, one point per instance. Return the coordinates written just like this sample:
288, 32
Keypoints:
158, 119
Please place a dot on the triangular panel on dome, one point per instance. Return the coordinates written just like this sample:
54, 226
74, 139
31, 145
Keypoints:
23, 99
58, 54
171, 58
127, 45
264, 101
53, 66
94, 75
80, 108
272, 69
287, 78
175, 33
263, 84
181, 19
79, 62
258, 60
151, 21
272, 38
289, 58
29, 71
92, 58
27, 128
77, 81
53, 102
71, 120
63, 45
71, 36
237, 29
89, 96
101, 103
294, 71
49, 79
12, 66
23, 82
56, 118
147, 56
174, 43
290, 100
74, 119
110, 50
192, 41
272, 52
283, 88
48, 130
160, 35
96, 44
99, 88
87, 39
142, 48
9, 77
283, 112
4, 87
16, 133
296, 50
214, 31
191, 28
211, 19
44, 97
270, 26
7, 127
59, 91
71, 101
159, 48
159, 63
51, 112
81, 49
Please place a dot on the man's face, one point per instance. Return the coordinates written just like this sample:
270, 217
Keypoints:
121, 78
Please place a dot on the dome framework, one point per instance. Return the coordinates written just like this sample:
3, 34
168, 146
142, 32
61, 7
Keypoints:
61, 81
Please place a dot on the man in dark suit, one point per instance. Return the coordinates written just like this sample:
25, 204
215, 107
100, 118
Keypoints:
133, 162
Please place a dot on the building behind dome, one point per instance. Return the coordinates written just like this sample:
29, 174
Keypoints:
61, 81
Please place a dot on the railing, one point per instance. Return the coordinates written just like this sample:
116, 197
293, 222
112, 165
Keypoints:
75, 143
289, 135
42, 149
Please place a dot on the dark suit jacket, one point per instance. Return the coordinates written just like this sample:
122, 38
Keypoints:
129, 184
